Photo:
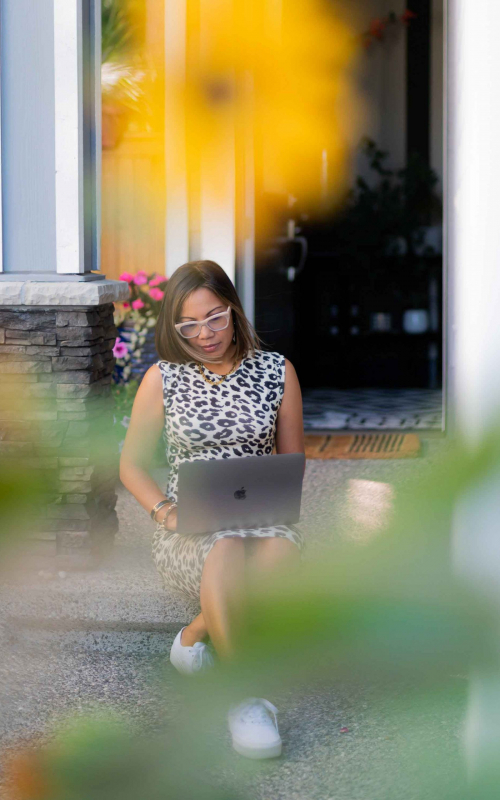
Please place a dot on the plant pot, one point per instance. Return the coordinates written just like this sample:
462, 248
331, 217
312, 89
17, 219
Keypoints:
149, 356
415, 320
381, 322
115, 119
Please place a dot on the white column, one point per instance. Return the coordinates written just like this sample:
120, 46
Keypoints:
68, 88
51, 141
201, 226
77, 118
176, 211
96, 59
473, 230
217, 235
218, 178
473, 290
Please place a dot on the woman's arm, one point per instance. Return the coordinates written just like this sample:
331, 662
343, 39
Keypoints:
145, 428
289, 424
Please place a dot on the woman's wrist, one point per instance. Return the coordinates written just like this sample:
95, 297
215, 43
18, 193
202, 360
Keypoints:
163, 511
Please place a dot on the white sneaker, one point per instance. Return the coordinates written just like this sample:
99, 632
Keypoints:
190, 660
255, 734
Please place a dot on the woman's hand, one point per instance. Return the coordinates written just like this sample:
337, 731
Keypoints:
171, 523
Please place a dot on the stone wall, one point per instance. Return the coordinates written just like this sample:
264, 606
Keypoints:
56, 416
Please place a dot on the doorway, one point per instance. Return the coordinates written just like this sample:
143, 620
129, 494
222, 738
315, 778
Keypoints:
360, 315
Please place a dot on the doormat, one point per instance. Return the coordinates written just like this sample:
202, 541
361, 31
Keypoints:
362, 445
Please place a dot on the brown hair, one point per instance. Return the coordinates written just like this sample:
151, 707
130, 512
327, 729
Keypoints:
170, 345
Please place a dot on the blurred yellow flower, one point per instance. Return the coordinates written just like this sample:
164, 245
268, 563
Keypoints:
285, 75
267, 84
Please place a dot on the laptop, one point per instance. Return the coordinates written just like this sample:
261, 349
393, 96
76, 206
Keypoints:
239, 492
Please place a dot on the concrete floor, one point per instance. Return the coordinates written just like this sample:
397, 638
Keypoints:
73, 642
402, 743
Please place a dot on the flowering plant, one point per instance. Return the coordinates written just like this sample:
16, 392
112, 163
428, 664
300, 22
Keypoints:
379, 26
140, 313
123, 396
128, 73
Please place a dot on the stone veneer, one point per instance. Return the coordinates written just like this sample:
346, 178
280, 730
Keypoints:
55, 415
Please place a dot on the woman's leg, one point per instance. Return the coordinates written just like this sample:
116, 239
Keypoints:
196, 631
272, 555
266, 555
222, 591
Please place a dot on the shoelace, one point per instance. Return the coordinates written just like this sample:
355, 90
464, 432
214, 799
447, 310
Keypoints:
255, 713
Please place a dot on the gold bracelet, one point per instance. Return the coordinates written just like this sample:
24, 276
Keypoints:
157, 507
168, 510
162, 523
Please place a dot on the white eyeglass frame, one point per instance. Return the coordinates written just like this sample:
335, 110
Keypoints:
179, 325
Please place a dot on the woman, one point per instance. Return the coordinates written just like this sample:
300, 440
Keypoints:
214, 394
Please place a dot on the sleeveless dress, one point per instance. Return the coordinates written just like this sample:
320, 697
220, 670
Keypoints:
237, 418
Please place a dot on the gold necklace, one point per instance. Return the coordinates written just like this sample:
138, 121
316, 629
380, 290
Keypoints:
223, 378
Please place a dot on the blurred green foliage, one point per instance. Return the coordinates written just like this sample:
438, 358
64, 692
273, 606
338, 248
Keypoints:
123, 398
23, 494
121, 29
123, 395
389, 611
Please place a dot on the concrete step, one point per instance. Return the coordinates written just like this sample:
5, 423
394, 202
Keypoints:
127, 595
73, 635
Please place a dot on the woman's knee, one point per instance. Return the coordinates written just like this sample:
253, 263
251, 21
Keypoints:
275, 550
230, 544
276, 544
230, 549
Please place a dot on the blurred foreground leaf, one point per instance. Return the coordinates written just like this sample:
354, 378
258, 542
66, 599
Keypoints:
389, 613
23, 494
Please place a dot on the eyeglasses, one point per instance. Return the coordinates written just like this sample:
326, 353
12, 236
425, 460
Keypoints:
217, 322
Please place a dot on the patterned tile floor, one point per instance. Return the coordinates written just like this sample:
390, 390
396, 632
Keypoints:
358, 409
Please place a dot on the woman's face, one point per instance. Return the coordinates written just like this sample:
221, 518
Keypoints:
200, 304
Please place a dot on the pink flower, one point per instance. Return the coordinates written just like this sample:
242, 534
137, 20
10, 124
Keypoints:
136, 304
126, 276
156, 281
140, 278
120, 349
126, 305
156, 294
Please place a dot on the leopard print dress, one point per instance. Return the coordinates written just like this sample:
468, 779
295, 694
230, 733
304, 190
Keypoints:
202, 421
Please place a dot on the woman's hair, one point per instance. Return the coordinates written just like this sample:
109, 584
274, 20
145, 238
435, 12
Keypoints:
170, 345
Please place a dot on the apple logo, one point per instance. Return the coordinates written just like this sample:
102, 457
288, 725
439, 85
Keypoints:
240, 494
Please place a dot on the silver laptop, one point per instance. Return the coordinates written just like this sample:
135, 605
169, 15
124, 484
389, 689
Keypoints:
239, 492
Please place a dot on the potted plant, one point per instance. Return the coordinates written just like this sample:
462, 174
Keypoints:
134, 348
381, 239
123, 73
391, 215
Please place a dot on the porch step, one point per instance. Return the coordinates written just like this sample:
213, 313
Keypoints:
123, 605
74, 634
